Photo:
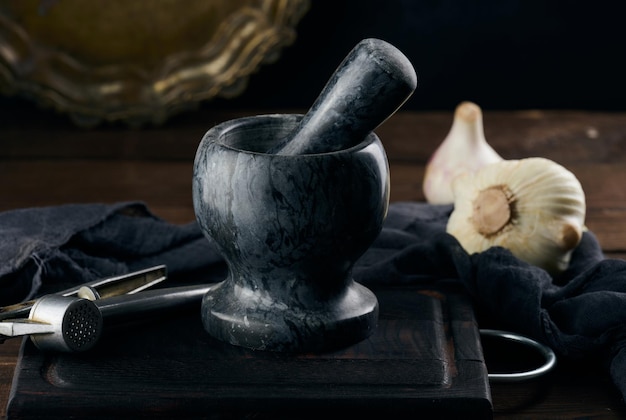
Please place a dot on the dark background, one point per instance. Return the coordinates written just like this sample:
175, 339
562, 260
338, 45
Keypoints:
501, 54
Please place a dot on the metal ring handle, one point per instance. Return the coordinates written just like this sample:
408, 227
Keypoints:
545, 351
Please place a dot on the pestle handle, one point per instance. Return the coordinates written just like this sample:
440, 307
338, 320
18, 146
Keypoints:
369, 85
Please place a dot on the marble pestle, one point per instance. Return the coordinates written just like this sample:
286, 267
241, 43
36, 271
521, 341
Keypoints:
369, 85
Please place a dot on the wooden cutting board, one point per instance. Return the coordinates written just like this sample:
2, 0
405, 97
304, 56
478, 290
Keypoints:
424, 359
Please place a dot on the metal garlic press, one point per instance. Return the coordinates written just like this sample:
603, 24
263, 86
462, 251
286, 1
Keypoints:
101, 288
72, 320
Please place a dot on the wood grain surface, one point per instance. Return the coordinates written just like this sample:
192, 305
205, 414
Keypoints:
423, 357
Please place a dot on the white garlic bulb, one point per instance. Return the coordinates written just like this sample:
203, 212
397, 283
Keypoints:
464, 149
534, 207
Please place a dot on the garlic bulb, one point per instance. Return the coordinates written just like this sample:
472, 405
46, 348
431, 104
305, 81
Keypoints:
464, 149
534, 207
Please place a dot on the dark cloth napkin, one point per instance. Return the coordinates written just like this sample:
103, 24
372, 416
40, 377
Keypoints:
44, 250
580, 314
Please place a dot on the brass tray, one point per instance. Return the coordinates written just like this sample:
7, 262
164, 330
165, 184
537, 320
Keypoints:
138, 61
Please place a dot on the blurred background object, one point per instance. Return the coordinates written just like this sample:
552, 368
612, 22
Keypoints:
138, 61
501, 54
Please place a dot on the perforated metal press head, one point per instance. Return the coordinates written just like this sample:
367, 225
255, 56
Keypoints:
75, 324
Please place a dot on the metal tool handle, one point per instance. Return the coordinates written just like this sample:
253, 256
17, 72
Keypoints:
118, 308
128, 283
545, 351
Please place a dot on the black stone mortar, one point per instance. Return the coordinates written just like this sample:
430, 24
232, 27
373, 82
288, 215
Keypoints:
290, 228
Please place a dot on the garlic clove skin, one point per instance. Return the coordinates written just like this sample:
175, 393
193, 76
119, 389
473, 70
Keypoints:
534, 207
464, 149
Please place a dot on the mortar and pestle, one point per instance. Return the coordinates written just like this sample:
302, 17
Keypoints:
292, 201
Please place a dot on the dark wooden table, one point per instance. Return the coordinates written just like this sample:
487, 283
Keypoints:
44, 160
